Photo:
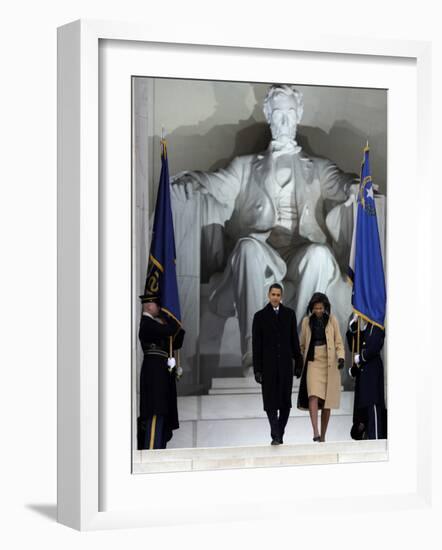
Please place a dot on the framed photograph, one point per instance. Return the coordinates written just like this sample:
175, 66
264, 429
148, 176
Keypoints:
121, 91
221, 156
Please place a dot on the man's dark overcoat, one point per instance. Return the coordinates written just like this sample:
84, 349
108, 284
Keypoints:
275, 346
157, 385
369, 384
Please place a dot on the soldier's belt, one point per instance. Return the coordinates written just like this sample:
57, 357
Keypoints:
158, 352
153, 349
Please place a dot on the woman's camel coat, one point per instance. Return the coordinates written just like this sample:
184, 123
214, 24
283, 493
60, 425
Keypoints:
335, 351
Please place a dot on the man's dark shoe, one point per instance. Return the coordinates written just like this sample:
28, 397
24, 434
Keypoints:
276, 442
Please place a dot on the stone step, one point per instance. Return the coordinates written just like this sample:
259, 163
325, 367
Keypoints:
226, 391
173, 460
246, 382
253, 431
237, 383
261, 450
243, 405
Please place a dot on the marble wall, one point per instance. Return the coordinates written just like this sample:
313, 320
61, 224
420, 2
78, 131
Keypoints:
207, 124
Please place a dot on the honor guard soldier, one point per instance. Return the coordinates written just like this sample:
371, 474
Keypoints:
159, 335
369, 413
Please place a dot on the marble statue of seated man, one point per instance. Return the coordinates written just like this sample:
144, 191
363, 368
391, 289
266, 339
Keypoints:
273, 210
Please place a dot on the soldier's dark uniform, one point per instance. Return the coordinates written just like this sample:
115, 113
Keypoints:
158, 398
369, 401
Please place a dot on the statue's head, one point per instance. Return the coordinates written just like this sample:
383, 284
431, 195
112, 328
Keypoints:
283, 108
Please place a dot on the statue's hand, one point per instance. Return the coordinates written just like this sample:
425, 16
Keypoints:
352, 194
185, 186
354, 190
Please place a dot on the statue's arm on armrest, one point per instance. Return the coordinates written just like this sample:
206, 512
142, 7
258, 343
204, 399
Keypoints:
339, 189
186, 184
222, 185
207, 200
336, 185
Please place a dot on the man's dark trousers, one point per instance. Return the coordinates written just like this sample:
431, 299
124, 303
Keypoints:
278, 423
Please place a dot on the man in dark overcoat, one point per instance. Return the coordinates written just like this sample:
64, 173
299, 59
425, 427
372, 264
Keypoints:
369, 414
158, 334
276, 357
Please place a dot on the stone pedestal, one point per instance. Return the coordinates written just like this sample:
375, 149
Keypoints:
232, 414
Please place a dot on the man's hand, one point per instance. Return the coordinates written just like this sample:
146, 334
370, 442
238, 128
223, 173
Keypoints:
258, 377
341, 363
297, 371
357, 358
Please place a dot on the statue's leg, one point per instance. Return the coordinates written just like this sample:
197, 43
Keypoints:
255, 265
313, 268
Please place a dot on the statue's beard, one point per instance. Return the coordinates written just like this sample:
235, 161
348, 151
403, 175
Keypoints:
284, 135
284, 143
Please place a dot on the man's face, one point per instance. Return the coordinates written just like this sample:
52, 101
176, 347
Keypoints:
152, 308
283, 119
275, 296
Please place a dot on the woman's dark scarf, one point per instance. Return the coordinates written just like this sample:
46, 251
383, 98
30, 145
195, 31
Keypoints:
317, 324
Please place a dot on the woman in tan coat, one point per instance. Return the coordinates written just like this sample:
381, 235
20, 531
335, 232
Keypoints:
323, 357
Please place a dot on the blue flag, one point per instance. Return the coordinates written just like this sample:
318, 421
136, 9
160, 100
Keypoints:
161, 280
366, 269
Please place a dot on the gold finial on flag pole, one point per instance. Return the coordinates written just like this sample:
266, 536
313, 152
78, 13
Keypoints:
163, 142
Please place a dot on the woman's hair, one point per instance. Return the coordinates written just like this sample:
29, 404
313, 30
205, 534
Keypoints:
319, 298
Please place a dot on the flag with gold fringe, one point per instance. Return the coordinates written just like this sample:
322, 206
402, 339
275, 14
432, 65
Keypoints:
366, 270
161, 279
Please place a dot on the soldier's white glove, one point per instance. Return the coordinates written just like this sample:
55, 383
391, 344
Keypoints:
171, 363
353, 322
357, 358
179, 372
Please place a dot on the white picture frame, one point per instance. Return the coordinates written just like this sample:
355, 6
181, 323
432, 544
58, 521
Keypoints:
95, 486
